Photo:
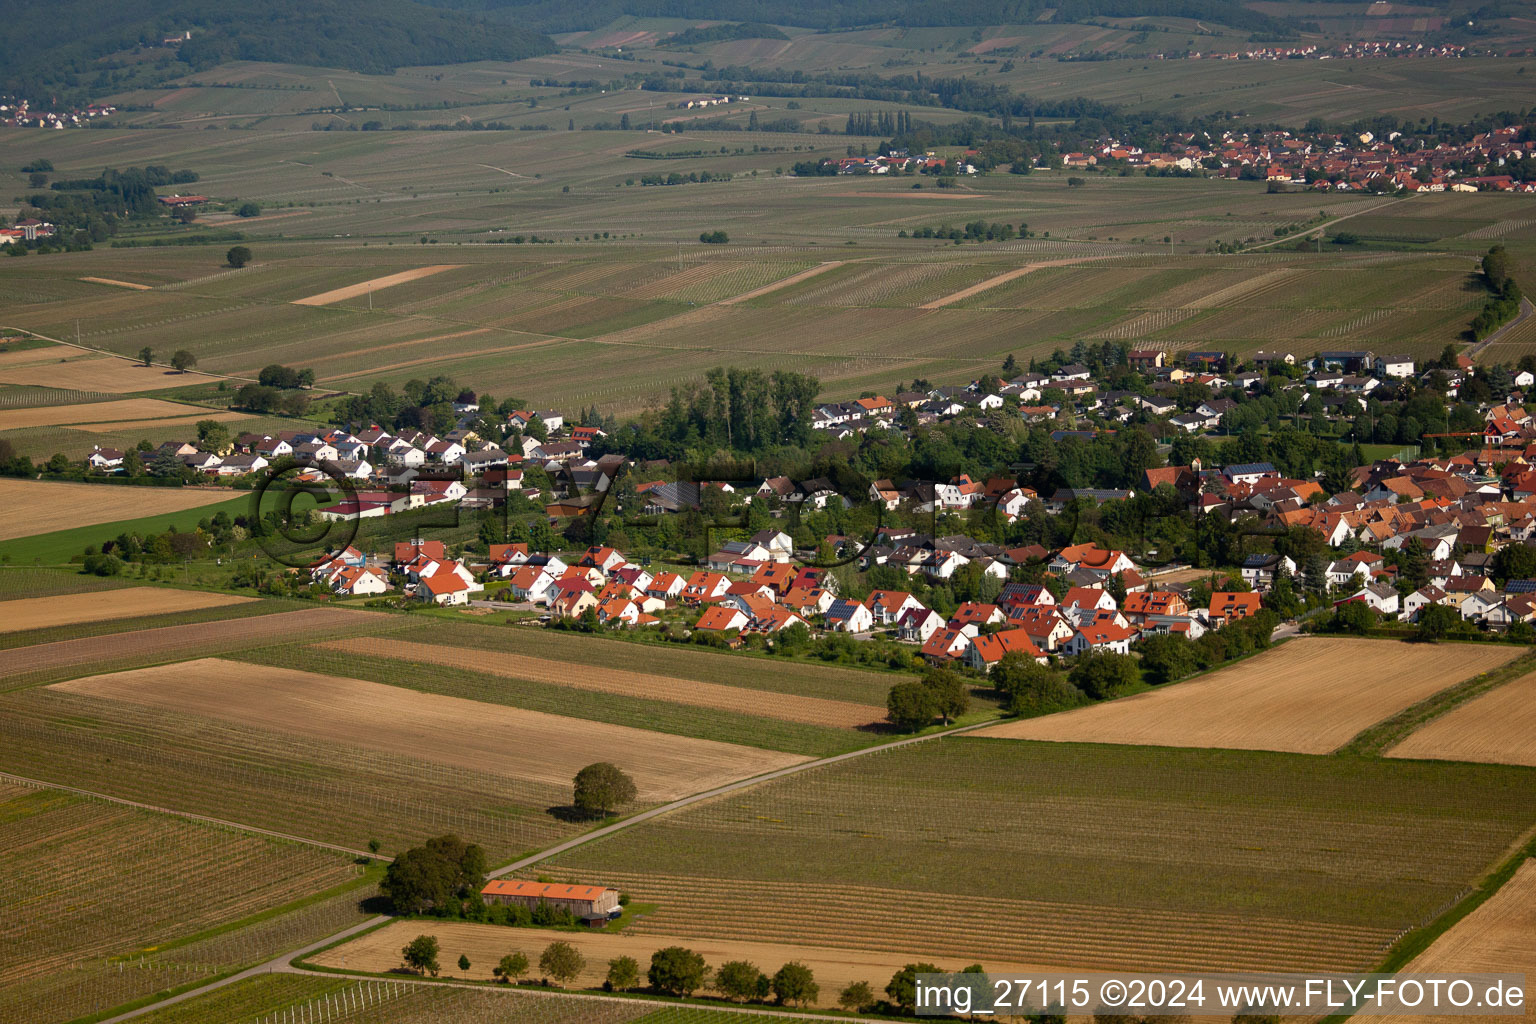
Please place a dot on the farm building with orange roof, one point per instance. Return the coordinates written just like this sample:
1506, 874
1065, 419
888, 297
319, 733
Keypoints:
584, 901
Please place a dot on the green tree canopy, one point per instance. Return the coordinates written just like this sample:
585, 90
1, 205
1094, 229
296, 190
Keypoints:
603, 787
511, 967
420, 955
911, 706
434, 874
562, 961
677, 971
795, 984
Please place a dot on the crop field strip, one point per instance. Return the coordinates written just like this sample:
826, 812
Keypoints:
130, 878
37, 613
1272, 701
863, 686
1330, 857
29, 507
338, 793
462, 733
575, 704
135, 620
810, 710
1497, 727
19, 581
47, 662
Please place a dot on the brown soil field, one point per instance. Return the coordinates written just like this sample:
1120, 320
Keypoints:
200, 638
486, 944
117, 284
814, 710
1309, 696
1498, 727
507, 741
68, 609
30, 507
1498, 937
820, 268
124, 410
83, 371
352, 291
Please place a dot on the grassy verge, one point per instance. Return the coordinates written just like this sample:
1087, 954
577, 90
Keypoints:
1375, 741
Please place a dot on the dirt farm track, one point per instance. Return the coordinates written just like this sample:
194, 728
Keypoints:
1308, 696
528, 745
29, 507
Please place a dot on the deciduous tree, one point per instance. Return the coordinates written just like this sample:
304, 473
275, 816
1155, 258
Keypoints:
562, 961
420, 955
603, 787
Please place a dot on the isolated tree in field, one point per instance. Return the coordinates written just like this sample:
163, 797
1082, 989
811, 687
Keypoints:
511, 967
738, 979
902, 988
184, 214
182, 360
147, 355
714, 237
238, 256
951, 698
603, 787
248, 210
857, 997
911, 706
677, 971
562, 961
420, 955
464, 963
433, 875
795, 984
623, 973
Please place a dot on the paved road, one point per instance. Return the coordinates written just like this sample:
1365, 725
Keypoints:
284, 962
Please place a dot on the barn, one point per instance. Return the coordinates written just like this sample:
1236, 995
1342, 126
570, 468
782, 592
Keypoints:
584, 901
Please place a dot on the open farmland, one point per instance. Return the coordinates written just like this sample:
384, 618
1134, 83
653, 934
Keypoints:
44, 612
1496, 727
58, 658
835, 968
549, 749
126, 412
62, 367
1308, 696
648, 306
811, 710
29, 507
1498, 937
169, 879
275, 997
339, 792
1076, 855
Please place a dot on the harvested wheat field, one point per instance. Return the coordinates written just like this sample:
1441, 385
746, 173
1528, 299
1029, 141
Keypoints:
788, 708
352, 291
203, 638
85, 371
486, 944
30, 507
1498, 937
126, 409
1497, 727
528, 745
184, 422
69, 609
1309, 696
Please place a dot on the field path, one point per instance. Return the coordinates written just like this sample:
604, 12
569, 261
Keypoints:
352, 291
820, 268
1325, 225
1526, 309
284, 962
118, 284
1004, 278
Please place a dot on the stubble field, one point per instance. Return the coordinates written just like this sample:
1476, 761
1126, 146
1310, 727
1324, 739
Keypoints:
30, 507
1308, 696
1498, 727
46, 612
541, 748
